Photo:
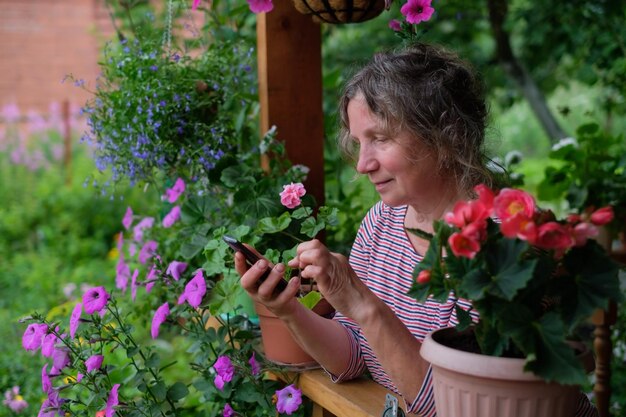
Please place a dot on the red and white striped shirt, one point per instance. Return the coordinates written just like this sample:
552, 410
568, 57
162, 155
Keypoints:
384, 258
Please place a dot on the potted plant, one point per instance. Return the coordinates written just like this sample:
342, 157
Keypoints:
532, 279
590, 172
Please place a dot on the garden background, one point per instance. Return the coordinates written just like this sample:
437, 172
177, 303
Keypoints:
58, 226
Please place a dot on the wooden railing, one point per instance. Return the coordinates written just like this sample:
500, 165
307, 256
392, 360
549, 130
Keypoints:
357, 398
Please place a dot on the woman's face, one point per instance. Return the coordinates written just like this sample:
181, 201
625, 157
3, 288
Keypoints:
400, 167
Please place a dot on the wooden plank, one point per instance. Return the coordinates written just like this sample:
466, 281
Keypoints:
290, 87
357, 398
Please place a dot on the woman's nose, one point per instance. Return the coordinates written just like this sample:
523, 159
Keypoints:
367, 162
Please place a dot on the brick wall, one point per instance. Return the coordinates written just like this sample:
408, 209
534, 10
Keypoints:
41, 41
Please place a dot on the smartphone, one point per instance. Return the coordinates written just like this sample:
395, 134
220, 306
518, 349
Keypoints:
251, 259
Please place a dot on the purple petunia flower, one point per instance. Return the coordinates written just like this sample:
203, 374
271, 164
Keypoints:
145, 223
194, 290
128, 218
47, 344
289, 399
95, 299
228, 411
94, 362
255, 368
416, 11
46, 384
172, 194
159, 318
33, 336
147, 251
225, 371
60, 359
14, 400
75, 319
133, 285
122, 274
175, 269
151, 278
112, 401
171, 217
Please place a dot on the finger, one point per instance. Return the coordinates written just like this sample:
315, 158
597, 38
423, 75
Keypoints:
268, 287
240, 263
249, 280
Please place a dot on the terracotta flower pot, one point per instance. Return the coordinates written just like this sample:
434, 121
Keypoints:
473, 385
278, 344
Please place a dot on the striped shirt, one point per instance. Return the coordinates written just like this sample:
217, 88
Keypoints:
384, 258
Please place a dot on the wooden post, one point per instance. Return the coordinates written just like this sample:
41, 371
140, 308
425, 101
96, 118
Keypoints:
290, 87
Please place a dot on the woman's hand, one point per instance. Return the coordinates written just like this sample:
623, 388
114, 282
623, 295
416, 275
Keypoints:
335, 278
281, 303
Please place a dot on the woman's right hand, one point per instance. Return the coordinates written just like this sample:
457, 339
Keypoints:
281, 304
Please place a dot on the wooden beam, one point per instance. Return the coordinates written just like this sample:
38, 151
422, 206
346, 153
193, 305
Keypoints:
290, 87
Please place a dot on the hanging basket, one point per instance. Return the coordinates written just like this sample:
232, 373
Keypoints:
341, 11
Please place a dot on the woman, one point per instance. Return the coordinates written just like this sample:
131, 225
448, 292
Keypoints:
415, 123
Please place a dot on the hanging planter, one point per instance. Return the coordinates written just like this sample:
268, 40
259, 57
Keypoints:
341, 11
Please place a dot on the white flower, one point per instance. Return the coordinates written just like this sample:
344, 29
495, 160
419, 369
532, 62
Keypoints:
565, 142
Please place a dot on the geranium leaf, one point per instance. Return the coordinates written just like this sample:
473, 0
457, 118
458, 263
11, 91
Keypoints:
302, 212
311, 227
274, 224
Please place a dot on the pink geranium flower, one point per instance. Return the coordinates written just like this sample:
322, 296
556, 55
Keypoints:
171, 217
75, 319
112, 401
95, 299
94, 362
172, 194
33, 336
194, 290
416, 11
260, 6
290, 196
159, 318
128, 218
289, 399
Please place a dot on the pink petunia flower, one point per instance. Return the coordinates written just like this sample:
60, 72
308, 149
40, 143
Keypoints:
395, 25
175, 269
112, 401
128, 218
75, 319
260, 6
172, 194
228, 411
416, 11
33, 336
159, 318
289, 399
171, 217
147, 251
290, 196
195, 4
94, 362
95, 299
194, 290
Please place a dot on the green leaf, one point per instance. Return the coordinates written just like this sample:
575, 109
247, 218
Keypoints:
311, 299
274, 224
153, 361
464, 317
193, 246
509, 270
302, 212
311, 227
177, 391
159, 390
